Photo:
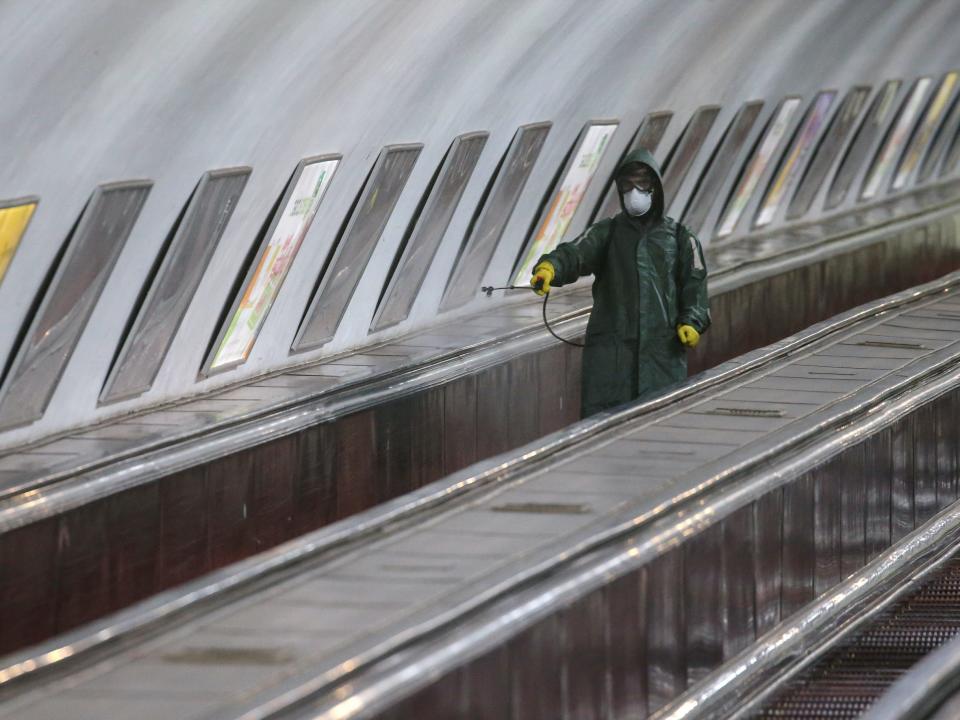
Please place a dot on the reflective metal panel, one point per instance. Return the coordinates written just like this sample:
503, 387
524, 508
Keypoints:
757, 165
647, 136
902, 481
877, 117
945, 133
681, 157
703, 602
194, 238
494, 213
895, 140
768, 561
738, 555
349, 256
666, 636
877, 473
921, 138
826, 526
827, 151
793, 162
270, 265
78, 280
418, 248
720, 165
14, 217
798, 545
947, 450
853, 511
566, 197
925, 465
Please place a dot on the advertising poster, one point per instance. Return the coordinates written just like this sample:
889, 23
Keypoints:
264, 284
13, 221
896, 140
801, 148
758, 164
922, 138
567, 198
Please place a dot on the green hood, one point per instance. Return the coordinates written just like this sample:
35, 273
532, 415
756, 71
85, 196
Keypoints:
645, 157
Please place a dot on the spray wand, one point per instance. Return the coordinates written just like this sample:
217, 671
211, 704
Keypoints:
489, 290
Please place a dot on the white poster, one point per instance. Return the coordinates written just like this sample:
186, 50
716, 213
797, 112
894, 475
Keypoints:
801, 148
896, 140
567, 198
281, 249
758, 164
922, 138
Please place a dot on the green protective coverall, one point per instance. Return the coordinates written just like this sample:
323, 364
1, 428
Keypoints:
650, 277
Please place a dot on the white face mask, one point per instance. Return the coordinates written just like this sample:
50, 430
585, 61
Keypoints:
637, 202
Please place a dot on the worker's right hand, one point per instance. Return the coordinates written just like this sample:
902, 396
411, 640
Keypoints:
542, 277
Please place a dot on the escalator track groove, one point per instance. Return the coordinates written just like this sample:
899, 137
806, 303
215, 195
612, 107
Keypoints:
848, 679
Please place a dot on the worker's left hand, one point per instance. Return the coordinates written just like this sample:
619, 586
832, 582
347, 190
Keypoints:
688, 335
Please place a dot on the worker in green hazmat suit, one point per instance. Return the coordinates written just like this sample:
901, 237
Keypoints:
649, 291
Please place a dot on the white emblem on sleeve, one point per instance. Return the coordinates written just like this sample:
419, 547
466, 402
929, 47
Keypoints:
697, 260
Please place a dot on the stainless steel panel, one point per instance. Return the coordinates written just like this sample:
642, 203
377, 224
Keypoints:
78, 279
827, 525
925, 464
681, 157
490, 670
769, 558
739, 562
493, 415
721, 163
828, 150
648, 136
947, 449
352, 250
665, 631
707, 437
876, 119
703, 601
901, 480
536, 683
853, 510
826, 385
628, 679
427, 229
586, 666
799, 550
494, 213
878, 474
190, 247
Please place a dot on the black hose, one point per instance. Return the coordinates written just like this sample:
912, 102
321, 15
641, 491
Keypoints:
546, 323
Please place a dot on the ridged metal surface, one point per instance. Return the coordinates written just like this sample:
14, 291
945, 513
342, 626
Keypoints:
850, 678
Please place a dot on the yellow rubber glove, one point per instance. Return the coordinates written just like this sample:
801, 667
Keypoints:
542, 276
688, 335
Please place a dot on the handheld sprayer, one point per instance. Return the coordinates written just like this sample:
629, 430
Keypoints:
489, 290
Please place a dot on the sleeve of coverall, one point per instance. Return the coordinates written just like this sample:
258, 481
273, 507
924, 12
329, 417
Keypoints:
694, 302
581, 256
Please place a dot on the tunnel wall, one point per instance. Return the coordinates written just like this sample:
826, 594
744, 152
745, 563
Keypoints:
107, 90
125, 547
